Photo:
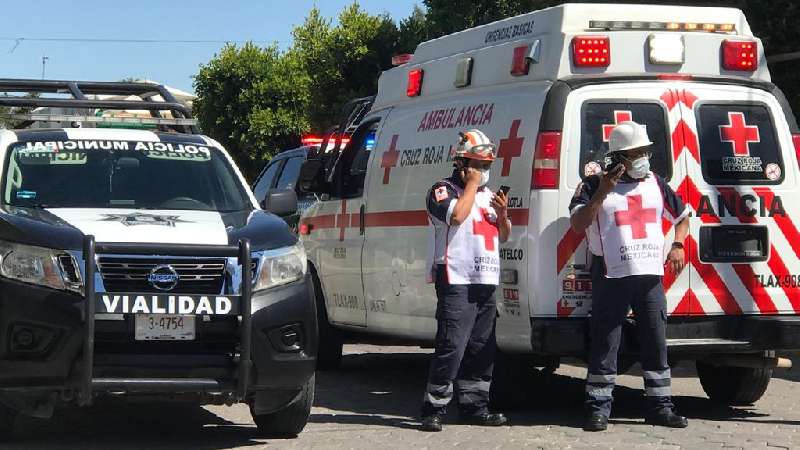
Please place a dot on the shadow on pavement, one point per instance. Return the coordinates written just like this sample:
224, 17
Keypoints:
386, 389
122, 424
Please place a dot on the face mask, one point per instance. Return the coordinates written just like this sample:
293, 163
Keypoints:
484, 177
639, 168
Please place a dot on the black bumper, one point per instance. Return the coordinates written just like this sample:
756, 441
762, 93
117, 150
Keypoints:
41, 341
685, 336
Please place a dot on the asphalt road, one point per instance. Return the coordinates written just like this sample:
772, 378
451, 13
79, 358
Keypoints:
372, 402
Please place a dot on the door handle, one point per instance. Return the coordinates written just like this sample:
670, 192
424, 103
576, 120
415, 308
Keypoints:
362, 218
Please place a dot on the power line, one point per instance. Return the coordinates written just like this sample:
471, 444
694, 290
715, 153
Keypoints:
19, 40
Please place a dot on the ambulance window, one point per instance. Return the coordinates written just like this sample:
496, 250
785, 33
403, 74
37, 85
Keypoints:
738, 144
354, 161
599, 117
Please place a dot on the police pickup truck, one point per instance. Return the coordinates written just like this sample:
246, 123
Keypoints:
135, 260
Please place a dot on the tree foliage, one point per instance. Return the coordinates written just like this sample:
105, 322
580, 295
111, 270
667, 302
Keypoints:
254, 101
345, 60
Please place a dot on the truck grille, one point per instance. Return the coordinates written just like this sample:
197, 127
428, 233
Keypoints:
197, 275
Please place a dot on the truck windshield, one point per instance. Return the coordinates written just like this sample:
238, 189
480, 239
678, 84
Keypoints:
121, 174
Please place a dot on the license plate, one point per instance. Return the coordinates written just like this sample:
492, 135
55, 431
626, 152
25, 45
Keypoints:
164, 327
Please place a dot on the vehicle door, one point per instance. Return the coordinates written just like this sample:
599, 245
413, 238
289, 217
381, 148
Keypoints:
339, 234
744, 245
591, 113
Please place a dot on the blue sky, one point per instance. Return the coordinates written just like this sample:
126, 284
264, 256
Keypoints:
172, 63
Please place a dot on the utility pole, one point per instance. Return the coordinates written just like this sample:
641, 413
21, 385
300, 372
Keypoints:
44, 61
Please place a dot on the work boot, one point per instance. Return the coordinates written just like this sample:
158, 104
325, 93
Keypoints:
667, 418
596, 422
486, 420
431, 423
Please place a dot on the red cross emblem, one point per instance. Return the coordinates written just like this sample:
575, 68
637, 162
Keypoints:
389, 159
486, 229
739, 134
636, 217
619, 117
510, 147
342, 220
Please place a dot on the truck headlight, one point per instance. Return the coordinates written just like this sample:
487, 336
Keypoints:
36, 265
282, 266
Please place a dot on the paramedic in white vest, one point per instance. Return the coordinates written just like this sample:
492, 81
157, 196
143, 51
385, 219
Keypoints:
621, 212
469, 222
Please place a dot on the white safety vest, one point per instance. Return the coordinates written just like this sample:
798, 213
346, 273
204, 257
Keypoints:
470, 251
628, 231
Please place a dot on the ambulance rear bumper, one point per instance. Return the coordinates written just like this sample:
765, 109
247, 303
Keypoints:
686, 337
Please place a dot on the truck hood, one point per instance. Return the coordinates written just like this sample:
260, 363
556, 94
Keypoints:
64, 228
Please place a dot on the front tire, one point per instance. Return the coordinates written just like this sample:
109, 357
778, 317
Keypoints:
733, 386
291, 419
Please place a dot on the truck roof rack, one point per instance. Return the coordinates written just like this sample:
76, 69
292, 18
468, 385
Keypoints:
77, 95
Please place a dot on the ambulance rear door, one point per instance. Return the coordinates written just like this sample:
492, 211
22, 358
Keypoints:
744, 246
590, 115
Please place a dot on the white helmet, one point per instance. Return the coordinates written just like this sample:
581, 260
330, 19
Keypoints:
474, 144
626, 136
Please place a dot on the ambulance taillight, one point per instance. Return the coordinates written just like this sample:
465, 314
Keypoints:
546, 160
414, 87
739, 55
591, 51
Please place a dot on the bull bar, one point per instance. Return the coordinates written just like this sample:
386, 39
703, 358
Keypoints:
88, 383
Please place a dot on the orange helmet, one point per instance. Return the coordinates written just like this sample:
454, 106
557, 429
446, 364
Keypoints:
474, 144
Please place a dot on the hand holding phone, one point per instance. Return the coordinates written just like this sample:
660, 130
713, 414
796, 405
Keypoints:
504, 189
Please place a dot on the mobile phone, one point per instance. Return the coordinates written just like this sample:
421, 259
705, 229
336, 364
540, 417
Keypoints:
504, 189
612, 164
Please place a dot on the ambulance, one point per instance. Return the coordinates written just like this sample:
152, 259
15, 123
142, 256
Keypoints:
547, 87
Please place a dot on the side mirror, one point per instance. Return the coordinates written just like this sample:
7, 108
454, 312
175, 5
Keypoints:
311, 177
281, 202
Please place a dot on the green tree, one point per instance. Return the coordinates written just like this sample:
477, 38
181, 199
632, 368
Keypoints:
345, 60
413, 30
254, 101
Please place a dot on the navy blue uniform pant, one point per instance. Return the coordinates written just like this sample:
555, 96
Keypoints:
612, 299
465, 348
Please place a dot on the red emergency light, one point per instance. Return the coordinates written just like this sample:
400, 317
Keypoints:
403, 58
591, 51
414, 87
520, 64
739, 55
317, 140
546, 160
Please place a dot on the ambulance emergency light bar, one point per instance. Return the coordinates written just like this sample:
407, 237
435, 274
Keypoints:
34, 117
663, 48
621, 25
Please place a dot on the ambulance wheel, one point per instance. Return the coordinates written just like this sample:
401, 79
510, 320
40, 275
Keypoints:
289, 421
8, 417
329, 350
734, 386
